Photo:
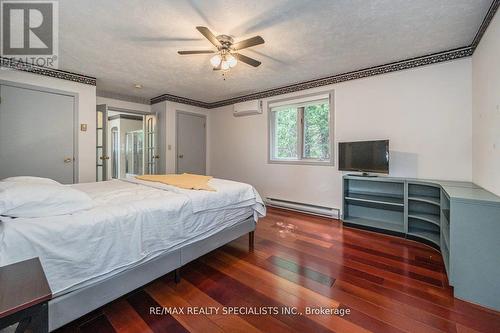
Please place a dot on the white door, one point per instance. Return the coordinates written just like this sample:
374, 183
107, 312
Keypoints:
191, 143
151, 156
102, 157
36, 134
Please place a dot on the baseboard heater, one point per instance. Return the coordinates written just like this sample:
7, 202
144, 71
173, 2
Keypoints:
303, 207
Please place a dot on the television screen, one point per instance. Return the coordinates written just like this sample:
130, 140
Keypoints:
364, 156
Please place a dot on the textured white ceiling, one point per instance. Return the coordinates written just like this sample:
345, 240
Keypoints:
123, 42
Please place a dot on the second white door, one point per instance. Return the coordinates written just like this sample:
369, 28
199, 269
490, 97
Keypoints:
191, 143
36, 133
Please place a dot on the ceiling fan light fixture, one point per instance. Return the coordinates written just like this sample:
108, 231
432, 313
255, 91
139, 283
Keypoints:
216, 60
231, 60
224, 65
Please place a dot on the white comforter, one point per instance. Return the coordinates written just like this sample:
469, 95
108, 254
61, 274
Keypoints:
131, 223
227, 193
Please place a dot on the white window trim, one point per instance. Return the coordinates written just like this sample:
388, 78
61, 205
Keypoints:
300, 100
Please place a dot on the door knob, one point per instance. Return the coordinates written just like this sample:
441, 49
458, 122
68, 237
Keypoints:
68, 160
181, 156
156, 156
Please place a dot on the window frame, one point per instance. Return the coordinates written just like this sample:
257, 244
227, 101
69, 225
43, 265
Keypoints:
300, 103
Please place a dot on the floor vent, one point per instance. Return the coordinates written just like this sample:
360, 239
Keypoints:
303, 207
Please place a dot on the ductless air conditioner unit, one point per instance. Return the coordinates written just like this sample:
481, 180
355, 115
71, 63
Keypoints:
247, 108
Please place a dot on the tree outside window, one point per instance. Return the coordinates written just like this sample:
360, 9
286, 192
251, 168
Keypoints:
301, 132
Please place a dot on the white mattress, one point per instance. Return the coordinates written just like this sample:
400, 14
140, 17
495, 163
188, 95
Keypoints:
130, 224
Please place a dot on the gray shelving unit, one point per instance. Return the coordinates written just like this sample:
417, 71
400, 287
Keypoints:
407, 208
445, 229
374, 205
424, 203
460, 219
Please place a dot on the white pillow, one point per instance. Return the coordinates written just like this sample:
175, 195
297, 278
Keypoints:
40, 200
30, 179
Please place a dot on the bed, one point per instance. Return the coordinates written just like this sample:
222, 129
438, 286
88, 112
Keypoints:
136, 232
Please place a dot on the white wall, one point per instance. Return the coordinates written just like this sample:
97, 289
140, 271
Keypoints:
425, 112
486, 109
86, 115
166, 121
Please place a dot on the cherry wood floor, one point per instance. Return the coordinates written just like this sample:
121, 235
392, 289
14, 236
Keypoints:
389, 284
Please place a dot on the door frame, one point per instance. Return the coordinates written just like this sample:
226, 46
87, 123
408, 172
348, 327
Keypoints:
103, 108
177, 113
107, 145
76, 120
124, 110
115, 141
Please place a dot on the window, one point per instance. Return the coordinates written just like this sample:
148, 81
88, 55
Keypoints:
301, 130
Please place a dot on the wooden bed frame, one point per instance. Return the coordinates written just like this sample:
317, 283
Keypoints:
73, 305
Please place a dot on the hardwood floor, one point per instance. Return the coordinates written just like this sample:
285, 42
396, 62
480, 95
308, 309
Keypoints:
388, 284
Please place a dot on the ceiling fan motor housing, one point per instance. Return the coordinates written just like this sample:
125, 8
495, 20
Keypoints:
226, 41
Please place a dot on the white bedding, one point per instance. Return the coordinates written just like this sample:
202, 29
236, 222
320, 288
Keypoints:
226, 193
130, 223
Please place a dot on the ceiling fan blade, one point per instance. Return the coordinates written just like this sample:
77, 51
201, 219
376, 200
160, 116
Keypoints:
257, 40
209, 35
163, 39
195, 52
248, 60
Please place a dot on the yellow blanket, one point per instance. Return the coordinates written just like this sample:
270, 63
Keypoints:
186, 181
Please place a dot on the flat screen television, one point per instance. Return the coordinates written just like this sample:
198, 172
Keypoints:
364, 156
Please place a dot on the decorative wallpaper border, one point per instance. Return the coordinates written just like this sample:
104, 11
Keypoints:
486, 22
55, 73
182, 100
354, 75
383, 69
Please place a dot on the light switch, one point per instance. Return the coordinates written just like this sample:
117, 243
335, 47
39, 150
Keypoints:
83, 127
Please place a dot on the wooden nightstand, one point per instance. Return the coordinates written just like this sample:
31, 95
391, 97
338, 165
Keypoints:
24, 294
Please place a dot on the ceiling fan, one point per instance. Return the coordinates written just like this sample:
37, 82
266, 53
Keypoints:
226, 55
